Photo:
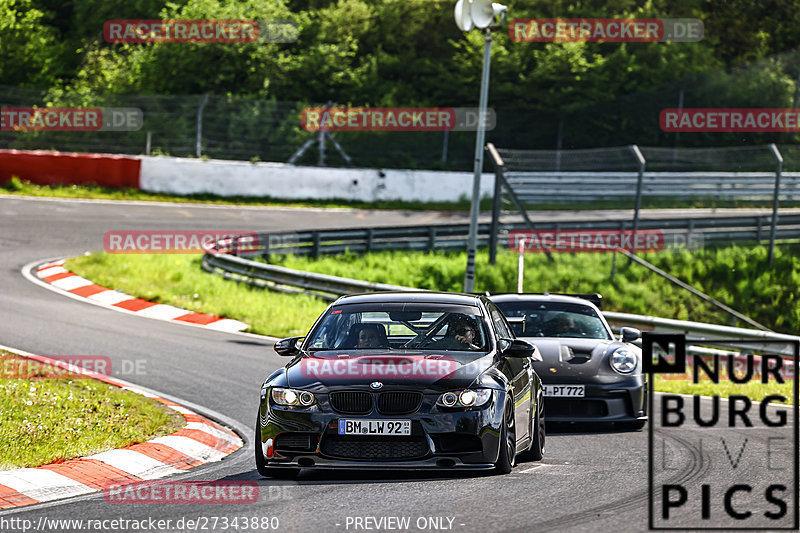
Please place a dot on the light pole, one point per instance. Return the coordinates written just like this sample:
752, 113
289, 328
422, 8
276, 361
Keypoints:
479, 14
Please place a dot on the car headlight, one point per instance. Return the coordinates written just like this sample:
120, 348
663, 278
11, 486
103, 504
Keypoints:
465, 398
292, 397
623, 361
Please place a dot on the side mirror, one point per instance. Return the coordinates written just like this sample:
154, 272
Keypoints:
288, 347
518, 348
629, 334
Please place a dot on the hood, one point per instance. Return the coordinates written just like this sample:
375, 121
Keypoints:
568, 360
426, 371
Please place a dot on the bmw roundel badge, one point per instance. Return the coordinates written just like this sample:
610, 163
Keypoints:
376, 385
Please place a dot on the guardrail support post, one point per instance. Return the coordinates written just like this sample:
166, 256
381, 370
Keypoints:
642, 163
315, 247
432, 238
370, 236
775, 194
266, 253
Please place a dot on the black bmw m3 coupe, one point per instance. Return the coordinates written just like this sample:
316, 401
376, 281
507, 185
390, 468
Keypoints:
414, 380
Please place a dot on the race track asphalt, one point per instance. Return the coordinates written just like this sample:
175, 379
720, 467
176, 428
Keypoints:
592, 478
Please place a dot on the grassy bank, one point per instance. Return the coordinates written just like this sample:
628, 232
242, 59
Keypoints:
180, 281
739, 277
45, 420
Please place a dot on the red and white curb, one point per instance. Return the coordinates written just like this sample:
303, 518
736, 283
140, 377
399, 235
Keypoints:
200, 441
56, 275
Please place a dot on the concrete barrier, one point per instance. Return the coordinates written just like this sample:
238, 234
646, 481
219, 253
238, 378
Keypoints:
175, 175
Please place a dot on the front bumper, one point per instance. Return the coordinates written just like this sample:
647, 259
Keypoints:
602, 403
440, 438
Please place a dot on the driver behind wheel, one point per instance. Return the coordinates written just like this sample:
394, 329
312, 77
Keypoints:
462, 334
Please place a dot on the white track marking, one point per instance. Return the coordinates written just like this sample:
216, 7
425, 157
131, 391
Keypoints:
71, 282
110, 297
192, 448
135, 463
42, 484
163, 311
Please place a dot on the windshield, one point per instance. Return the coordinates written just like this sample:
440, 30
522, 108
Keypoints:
398, 326
548, 319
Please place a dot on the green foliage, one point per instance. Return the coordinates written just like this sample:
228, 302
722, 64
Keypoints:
410, 53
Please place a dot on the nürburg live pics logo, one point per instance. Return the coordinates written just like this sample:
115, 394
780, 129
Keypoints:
725, 455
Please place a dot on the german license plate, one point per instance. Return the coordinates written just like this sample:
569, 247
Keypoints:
374, 427
570, 391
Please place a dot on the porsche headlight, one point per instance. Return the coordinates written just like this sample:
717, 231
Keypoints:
465, 398
292, 397
623, 361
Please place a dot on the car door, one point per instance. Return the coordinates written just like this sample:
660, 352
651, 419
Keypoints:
518, 371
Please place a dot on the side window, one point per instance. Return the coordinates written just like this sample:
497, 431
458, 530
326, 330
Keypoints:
499, 321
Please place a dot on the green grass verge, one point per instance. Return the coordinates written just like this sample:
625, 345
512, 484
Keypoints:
755, 390
49, 420
738, 276
180, 281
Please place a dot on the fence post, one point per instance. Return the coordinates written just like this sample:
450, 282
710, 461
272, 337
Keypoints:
147, 143
640, 159
520, 265
499, 167
198, 144
778, 171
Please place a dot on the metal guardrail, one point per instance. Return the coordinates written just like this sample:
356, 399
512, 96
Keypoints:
566, 186
331, 287
453, 237
277, 277
703, 331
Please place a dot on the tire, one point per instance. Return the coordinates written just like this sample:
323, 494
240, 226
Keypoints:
536, 450
537, 446
261, 463
508, 443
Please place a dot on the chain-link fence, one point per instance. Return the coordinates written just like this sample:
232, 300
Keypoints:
230, 127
